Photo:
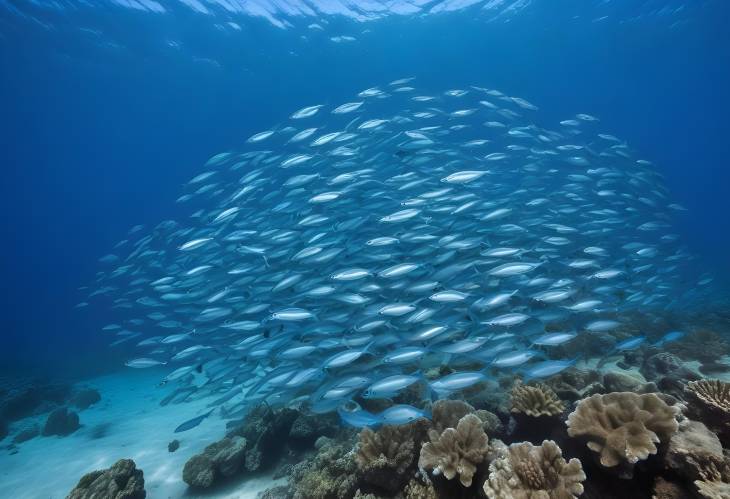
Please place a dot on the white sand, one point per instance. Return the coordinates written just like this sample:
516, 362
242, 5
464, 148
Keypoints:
138, 428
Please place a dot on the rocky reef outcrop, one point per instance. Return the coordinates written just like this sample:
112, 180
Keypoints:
26, 402
85, 397
61, 422
265, 431
121, 481
219, 461
255, 444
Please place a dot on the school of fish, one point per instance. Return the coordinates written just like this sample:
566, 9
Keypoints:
349, 249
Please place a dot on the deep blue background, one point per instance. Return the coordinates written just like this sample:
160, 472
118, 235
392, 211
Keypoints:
96, 137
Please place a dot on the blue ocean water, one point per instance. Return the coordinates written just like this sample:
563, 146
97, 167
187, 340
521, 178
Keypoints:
108, 108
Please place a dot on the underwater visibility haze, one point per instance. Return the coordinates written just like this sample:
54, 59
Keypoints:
337, 249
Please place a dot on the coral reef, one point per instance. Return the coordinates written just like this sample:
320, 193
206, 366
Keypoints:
526, 471
263, 429
307, 428
704, 346
714, 481
535, 401
331, 474
668, 372
220, 460
616, 381
384, 456
576, 384
709, 401
692, 449
61, 422
446, 413
654, 422
491, 423
420, 490
712, 489
664, 364
623, 427
122, 481
456, 451
366, 495
664, 489
278, 492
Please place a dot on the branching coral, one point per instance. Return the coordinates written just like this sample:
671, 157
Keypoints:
713, 393
526, 471
535, 401
713, 482
709, 402
713, 489
456, 451
623, 427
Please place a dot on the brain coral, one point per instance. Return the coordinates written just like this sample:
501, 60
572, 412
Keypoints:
526, 471
623, 427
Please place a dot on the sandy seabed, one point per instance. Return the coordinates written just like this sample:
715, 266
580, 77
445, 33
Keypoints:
127, 423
